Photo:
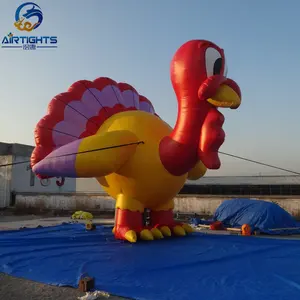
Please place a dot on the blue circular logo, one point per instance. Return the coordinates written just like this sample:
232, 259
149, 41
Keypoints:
28, 17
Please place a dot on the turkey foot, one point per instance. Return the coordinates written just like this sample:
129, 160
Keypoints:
164, 221
129, 226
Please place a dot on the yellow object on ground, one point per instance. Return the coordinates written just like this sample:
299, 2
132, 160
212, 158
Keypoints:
83, 215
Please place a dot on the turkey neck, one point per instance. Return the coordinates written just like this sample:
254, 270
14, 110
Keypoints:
179, 150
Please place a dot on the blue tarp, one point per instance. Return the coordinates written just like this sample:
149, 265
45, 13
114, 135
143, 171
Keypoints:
195, 267
260, 215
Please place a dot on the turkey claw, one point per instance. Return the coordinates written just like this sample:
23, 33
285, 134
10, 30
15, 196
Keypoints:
150, 234
182, 229
146, 235
157, 234
131, 236
178, 230
187, 228
165, 230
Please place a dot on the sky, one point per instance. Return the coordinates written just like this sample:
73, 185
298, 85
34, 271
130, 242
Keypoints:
134, 41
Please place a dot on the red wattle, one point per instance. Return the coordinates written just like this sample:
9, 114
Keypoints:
177, 158
211, 160
212, 137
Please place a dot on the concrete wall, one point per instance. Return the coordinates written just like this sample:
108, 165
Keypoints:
24, 181
20, 179
205, 205
65, 201
5, 181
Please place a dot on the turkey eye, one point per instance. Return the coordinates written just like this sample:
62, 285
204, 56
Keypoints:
213, 62
218, 66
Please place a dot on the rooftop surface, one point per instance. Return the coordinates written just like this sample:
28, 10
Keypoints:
246, 180
16, 149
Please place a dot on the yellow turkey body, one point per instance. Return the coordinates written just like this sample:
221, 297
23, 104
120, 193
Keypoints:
143, 177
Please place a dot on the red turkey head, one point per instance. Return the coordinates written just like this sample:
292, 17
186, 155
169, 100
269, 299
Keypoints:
199, 78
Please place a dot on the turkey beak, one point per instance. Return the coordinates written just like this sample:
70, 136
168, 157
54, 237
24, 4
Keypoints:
228, 95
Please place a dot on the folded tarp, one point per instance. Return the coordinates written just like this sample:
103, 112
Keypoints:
260, 215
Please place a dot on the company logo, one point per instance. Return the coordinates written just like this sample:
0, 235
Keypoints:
28, 17
24, 15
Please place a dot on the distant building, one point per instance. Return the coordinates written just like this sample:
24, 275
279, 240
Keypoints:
18, 178
244, 185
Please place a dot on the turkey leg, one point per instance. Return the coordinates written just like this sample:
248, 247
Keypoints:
129, 223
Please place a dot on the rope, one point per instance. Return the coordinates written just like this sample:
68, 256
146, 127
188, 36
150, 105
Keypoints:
141, 142
260, 163
75, 153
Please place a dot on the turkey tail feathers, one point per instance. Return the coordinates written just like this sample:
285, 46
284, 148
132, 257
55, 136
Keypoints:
81, 111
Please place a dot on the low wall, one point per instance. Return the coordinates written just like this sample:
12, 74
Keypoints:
65, 201
200, 204
206, 205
